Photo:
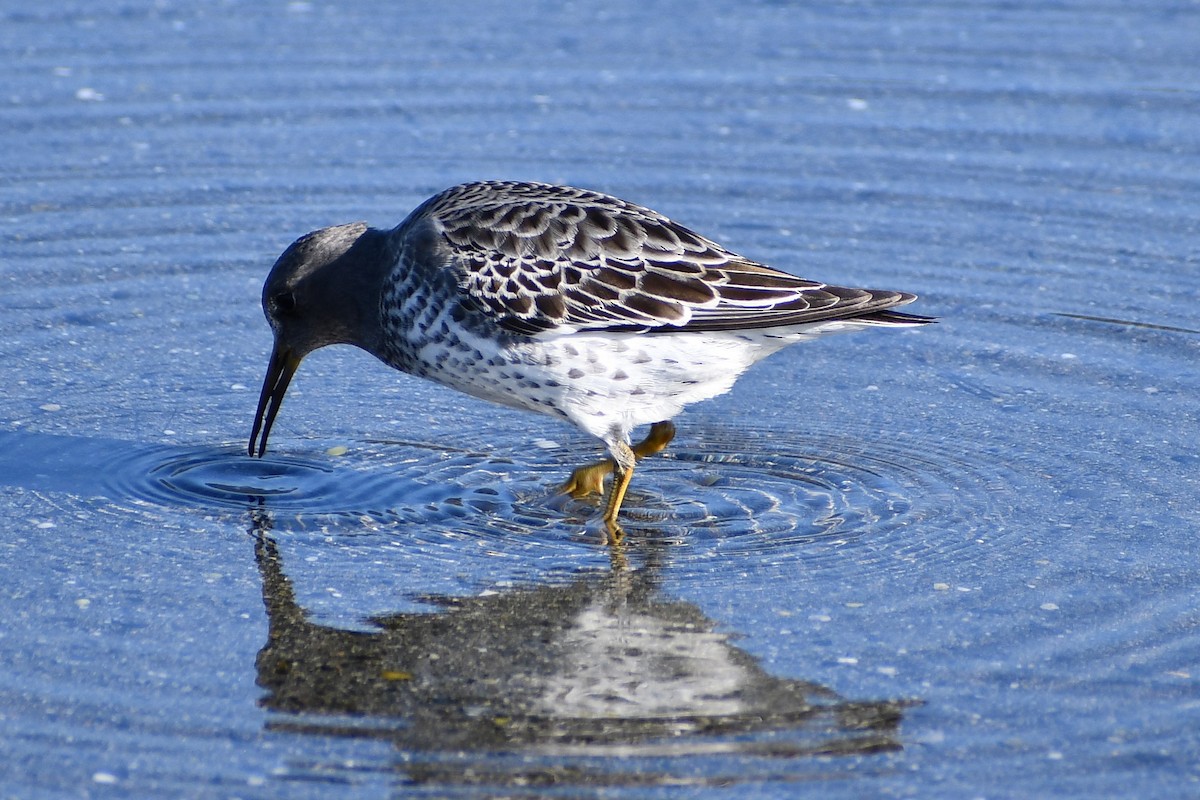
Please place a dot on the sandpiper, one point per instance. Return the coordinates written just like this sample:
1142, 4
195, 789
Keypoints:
551, 299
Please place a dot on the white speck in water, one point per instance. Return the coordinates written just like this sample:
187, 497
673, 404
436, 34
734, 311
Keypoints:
546, 444
931, 737
888, 671
941, 587
1068, 356
104, 777
1049, 606
88, 95
50, 407
857, 104
851, 660
238, 387
82, 603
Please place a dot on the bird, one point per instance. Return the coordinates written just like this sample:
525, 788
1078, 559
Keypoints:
553, 299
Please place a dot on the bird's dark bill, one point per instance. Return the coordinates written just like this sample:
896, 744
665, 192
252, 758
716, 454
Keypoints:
279, 374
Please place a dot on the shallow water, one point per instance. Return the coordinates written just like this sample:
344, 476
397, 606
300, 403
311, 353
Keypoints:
952, 561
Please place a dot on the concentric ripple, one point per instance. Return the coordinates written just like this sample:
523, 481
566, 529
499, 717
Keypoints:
748, 490
213, 478
752, 492
768, 495
392, 484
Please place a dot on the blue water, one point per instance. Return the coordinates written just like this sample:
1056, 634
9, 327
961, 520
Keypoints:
954, 561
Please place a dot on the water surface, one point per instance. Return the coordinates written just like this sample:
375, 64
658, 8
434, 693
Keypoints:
955, 561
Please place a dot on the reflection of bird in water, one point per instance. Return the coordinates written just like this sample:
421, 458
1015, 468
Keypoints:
599, 667
551, 299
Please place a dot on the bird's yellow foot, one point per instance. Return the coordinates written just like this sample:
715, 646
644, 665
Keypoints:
660, 435
588, 480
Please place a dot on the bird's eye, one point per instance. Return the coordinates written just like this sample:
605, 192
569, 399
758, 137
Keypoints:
284, 302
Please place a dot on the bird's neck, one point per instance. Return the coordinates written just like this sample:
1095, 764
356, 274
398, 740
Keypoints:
360, 283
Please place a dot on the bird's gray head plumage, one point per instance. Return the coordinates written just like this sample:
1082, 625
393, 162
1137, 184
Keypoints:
323, 290
318, 291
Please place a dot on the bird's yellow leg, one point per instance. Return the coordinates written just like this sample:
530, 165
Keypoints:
589, 479
612, 506
622, 475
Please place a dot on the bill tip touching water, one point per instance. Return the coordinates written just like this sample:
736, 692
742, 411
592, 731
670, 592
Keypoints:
553, 299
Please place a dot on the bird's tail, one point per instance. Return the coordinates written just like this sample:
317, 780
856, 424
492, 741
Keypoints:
894, 318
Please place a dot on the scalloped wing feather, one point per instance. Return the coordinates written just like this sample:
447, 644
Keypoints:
541, 258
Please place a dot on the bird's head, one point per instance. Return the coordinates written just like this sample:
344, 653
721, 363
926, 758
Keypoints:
323, 290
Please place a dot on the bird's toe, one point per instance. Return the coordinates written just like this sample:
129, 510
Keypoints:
588, 480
